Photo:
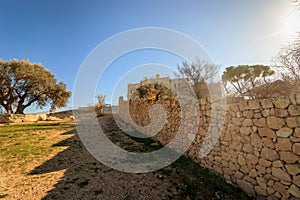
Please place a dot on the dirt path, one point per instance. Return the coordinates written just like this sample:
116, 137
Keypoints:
86, 178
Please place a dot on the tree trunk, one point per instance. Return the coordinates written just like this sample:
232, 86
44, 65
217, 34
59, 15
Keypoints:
20, 109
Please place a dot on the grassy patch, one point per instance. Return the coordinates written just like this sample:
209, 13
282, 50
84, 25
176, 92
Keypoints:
22, 143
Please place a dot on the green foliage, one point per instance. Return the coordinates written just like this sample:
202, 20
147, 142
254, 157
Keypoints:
153, 91
244, 78
23, 83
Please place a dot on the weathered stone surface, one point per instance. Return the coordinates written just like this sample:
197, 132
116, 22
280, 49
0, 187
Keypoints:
283, 144
226, 156
277, 163
271, 183
241, 160
281, 112
270, 191
294, 110
261, 182
297, 132
281, 175
266, 132
281, 102
253, 104
243, 105
293, 99
264, 162
278, 187
269, 154
253, 173
284, 132
252, 159
260, 169
266, 103
257, 115
293, 122
248, 148
275, 122
295, 191
296, 180
261, 191
227, 136
260, 122
244, 169
293, 169
298, 98
236, 121
245, 130
265, 112
247, 122
234, 107
288, 157
296, 148
247, 187
267, 142
217, 169
233, 166
248, 114
255, 140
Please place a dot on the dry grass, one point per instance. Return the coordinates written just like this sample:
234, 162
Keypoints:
48, 161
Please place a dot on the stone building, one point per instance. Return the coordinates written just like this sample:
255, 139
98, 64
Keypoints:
165, 81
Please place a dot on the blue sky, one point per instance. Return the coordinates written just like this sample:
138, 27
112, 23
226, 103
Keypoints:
61, 34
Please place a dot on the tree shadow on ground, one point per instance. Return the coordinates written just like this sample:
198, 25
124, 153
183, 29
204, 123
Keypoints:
87, 178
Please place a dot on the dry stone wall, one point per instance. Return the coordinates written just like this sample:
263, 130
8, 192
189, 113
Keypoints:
259, 146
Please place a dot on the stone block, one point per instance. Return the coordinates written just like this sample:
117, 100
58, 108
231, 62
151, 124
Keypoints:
245, 130
252, 159
264, 162
293, 169
267, 142
277, 163
281, 102
269, 154
275, 122
266, 132
294, 110
296, 180
280, 112
296, 149
247, 122
288, 157
281, 175
248, 148
248, 114
295, 191
283, 144
246, 186
293, 122
260, 122
243, 105
266, 103
253, 104
284, 132
241, 160
255, 140
278, 187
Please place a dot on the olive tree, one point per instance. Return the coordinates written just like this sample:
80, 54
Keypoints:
23, 84
243, 80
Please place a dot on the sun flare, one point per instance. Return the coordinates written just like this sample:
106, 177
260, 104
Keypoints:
292, 24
